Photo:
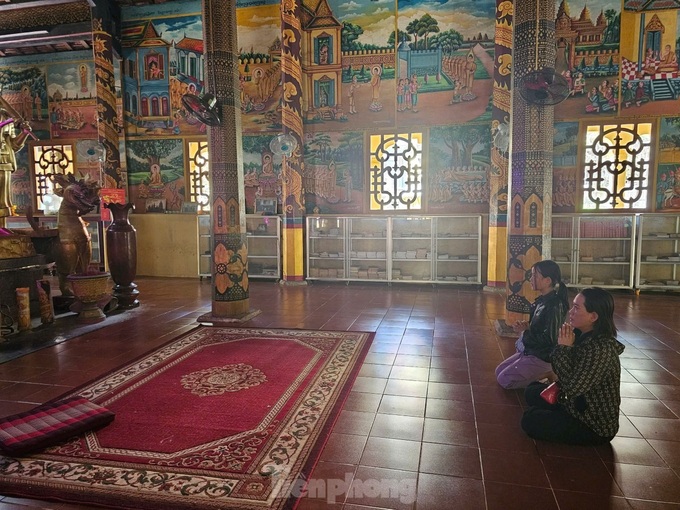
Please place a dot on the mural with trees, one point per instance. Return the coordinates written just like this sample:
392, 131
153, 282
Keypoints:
458, 169
156, 173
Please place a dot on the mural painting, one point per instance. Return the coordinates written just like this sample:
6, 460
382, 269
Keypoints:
650, 76
72, 100
162, 61
588, 56
444, 62
349, 70
333, 177
261, 171
155, 174
565, 150
668, 171
459, 162
25, 89
260, 66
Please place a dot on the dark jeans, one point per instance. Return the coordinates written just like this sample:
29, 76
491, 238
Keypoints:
551, 422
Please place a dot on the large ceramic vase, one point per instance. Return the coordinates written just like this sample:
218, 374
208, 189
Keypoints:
121, 254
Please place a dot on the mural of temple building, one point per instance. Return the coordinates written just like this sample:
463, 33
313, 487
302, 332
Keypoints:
145, 72
578, 40
189, 63
321, 66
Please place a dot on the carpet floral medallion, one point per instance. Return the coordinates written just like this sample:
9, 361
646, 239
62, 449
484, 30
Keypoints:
219, 418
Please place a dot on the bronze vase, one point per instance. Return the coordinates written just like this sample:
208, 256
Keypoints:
121, 253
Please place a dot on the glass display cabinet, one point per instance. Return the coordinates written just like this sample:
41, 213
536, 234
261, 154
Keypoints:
658, 253
425, 249
595, 250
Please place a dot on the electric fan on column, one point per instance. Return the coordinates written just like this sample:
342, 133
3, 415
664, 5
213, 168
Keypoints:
283, 144
543, 87
203, 107
91, 150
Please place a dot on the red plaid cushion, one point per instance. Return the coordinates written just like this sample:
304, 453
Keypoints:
50, 424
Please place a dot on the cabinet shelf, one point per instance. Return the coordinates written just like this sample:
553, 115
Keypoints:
658, 239
421, 237
579, 237
263, 242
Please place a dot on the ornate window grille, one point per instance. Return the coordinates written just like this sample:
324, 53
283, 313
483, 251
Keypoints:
199, 175
396, 174
49, 159
617, 166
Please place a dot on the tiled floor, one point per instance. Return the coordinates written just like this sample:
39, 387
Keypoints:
425, 412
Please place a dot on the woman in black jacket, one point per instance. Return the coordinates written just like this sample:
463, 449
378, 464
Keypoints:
588, 370
538, 337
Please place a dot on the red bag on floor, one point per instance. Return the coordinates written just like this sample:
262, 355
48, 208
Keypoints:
551, 392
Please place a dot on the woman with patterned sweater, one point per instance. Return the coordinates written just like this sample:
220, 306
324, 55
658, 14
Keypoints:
586, 364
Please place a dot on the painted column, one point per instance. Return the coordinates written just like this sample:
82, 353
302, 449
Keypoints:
107, 115
530, 212
500, 153
229, 250
291, 119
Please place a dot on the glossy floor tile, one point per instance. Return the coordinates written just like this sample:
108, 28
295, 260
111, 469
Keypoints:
425, 426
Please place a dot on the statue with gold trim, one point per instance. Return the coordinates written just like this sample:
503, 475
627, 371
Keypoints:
10, 143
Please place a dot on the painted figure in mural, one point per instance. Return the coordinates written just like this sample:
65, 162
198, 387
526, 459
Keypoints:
413, 85
595, 99
375, 105
470, 68
323, 98
83, 78
38, 107
155, 73
649, 65
26, 103
323, 54
566, 74
579, 84
406, 85
348, 185
668, 62
456, 92
640, 94
350, 94
156, 179
10, 143
268, 180
400, 95
628, 95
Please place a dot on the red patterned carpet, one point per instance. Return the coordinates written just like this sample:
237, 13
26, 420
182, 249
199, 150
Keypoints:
220, 418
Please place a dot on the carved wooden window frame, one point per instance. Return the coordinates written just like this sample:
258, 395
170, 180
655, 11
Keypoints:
396, 172
198, 173
617, 165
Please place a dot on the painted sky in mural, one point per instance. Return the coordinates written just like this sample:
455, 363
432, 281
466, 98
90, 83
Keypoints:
258, 27
74, 80
468, 18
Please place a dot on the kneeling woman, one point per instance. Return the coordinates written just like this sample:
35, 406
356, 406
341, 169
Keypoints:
586, 363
